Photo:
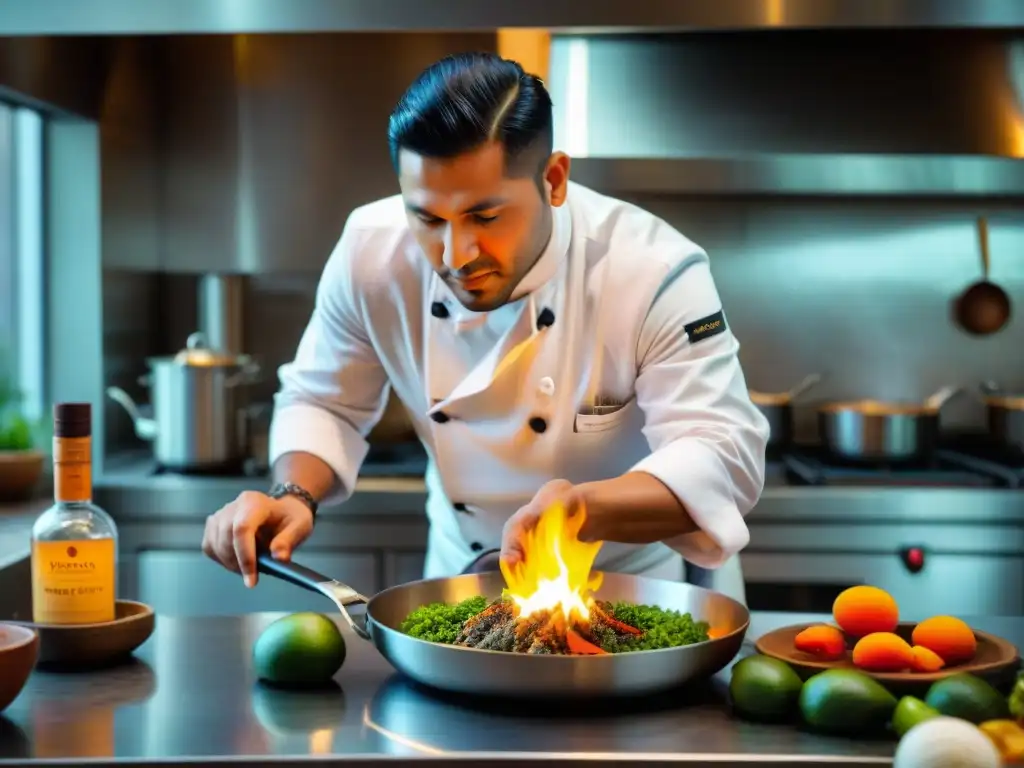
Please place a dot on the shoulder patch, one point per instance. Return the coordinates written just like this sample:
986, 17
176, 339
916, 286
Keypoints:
706, 327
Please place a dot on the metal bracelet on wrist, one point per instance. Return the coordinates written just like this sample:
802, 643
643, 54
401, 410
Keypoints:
280, 490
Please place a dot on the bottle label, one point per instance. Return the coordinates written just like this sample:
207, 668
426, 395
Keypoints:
73, 581
72, 468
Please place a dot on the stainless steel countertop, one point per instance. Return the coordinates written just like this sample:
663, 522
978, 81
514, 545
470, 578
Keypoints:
191, 696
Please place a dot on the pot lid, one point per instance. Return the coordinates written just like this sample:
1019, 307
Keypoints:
197, 352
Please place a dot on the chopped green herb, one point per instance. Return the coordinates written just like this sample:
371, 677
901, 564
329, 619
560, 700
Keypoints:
661, 629
441, 622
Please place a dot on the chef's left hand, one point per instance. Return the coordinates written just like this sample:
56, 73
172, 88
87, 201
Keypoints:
525, 519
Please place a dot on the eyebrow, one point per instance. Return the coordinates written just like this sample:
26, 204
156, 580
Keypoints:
484, 205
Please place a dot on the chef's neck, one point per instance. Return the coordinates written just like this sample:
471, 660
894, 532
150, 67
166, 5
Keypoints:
556, 245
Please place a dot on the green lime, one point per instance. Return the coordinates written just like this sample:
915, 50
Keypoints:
909, 712
302, 649
763, 688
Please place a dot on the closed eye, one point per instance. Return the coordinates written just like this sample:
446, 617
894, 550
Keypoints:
484, 218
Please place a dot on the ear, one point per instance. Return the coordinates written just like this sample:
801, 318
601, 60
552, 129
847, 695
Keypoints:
556, 178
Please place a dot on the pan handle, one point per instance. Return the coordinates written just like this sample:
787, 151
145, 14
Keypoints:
940, 398
341, 594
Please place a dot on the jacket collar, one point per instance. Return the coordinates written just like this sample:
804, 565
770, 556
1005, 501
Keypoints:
552, 257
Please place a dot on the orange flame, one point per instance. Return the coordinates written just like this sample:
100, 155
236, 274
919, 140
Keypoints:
555, 572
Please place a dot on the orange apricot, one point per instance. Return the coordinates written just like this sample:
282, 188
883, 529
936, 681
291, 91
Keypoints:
882, 652
925, 660
949, 637
822, 641
861, 611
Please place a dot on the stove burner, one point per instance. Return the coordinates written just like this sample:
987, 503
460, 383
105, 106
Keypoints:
980, 453
812, 466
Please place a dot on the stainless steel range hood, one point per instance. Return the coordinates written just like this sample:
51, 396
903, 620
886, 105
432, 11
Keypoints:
271, 141
127, 17
829, 112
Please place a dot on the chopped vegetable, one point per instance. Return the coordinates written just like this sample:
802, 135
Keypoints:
441, 622
660, 628
581, 645
624, 626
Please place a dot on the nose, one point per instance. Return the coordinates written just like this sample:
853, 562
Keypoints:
459, 247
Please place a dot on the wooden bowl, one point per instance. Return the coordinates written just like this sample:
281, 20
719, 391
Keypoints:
19, 650
19, 474
996, 659
73, 646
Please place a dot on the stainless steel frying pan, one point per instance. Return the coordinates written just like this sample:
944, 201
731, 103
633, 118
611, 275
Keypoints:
497, 673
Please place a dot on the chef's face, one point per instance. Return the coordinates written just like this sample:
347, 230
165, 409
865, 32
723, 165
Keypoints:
481, 229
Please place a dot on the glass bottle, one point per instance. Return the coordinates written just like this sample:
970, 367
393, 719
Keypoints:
74, 542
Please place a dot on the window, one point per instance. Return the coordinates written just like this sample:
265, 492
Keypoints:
22, 353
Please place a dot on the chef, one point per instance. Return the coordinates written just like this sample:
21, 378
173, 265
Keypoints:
550, 344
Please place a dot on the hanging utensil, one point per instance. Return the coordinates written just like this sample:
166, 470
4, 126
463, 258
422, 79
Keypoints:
984, 308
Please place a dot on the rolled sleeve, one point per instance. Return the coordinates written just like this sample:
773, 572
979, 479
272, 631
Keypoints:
707, 438
335, 389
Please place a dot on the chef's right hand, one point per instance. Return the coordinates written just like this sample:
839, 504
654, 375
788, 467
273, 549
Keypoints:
233, 531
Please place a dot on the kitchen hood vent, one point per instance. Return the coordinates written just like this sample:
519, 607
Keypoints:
271, 141
126, 17
867, 112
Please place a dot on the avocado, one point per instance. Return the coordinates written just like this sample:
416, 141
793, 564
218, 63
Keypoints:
764, 689
303, 649
847, 702
968, 698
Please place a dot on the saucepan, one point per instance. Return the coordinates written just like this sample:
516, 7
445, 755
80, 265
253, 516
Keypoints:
876, 431
198, 407
777, 408
474, 671
1005, 415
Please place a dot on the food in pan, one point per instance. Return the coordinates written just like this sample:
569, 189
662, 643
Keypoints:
548, 606
867, 619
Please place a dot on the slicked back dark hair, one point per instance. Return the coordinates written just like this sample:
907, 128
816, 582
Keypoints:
467, 99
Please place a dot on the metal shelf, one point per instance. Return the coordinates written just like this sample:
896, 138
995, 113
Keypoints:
124, 17
829, 175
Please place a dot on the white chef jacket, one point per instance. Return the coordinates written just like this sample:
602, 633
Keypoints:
613, 355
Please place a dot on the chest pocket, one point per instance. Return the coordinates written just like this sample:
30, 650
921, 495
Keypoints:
594, 420
603, 443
